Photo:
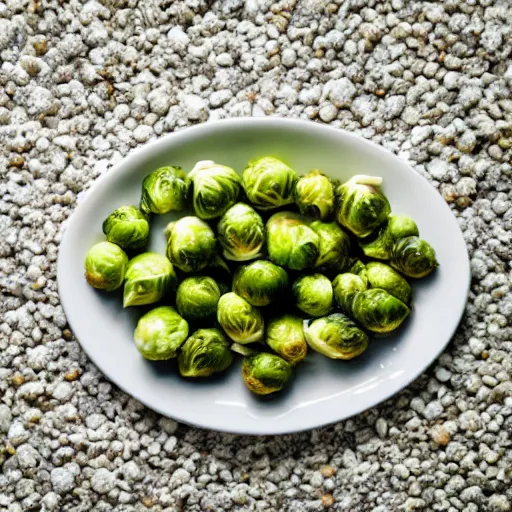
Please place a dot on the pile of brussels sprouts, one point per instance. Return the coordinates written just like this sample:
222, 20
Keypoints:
269, 264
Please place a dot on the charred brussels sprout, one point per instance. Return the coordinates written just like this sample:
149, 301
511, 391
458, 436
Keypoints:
383, 276
285, 336
345, 287
314, 195
105, 266
334, 247
413, 257
165, 190
266, 373
197, 298
127, 227
313, 294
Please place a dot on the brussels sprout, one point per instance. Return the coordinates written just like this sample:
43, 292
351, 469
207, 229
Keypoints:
336, 336
266, 373
206, 352
215, 188
243, 350
314, 195
361, 207
334, 247
413, 257
160, 333
378, 311
197, 298
260, 283
127, 227
291, 242
191, 244
165, 190
383, 276
285, 336
345, 287
379, 246
105, 266
359, 268
269, 183
241, 233
313, 294
241, 321
149, 277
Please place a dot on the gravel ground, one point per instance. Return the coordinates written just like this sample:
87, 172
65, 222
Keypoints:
82, 83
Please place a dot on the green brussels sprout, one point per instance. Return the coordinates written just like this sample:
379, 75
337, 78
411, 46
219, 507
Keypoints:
165, 190
313, 294
336, 336
149, 276
379, 245
243, 350
345, 287
127, 227
291, 242
413, 257
160, 333
378, 311
191, 244
260, 283
269, 183
334, 247
285, 336
382, 276
361, 207
359, 268
242, 322
105, 266
314, 195
197, 298
215, 188
266, 373
241, 233
206, 352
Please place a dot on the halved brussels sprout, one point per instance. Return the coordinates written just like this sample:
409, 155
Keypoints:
378, 311
285, 336
413, 257
383, 276
165, 190
313, 294
345, 287
197, 298
291, 242
241, 233
266, 373
191, 244
105, 266
127, 227
361, 207
206, 352
241, 321
160, 333
260, 283
334, 247
314, 195
149, 277
269, 183
215, 188
336, 336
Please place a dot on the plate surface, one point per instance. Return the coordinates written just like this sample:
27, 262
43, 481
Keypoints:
324, 391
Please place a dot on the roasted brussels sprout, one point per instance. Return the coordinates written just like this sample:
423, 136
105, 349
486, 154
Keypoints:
206, 352
269, 183
313, 294
285, 336
361, 207
314, 195
380, 275
241, 233
215, 188
197, 298
345, 287
160, 333
336, 336
242, 322
149, 276
260, 283
291, 242
413, 257
105, 266
127, 227
191, 244
266, 373
334, 247
165, 190
378, 311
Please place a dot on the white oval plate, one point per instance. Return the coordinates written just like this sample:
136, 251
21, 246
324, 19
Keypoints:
324, 391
